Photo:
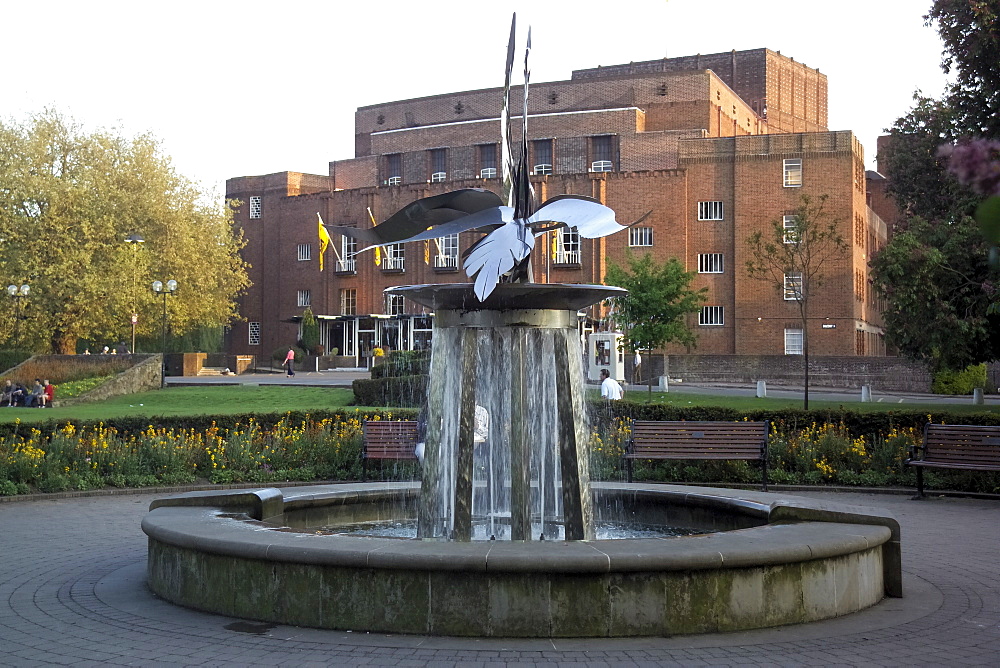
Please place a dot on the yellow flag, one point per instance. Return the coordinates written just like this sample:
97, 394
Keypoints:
555, 241
378, 255
324, 240
427, 252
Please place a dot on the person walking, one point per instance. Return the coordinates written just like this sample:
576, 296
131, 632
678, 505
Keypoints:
611, 390
290, 362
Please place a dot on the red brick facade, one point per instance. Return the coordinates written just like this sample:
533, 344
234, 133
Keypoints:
673, 133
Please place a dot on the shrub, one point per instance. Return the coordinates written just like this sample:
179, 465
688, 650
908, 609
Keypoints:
406, 391
403, 363
965, 381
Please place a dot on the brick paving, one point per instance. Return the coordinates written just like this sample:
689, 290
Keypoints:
72, 592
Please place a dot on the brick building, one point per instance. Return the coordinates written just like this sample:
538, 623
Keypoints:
716, 146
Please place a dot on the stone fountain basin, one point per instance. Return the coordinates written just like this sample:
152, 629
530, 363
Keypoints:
230, 552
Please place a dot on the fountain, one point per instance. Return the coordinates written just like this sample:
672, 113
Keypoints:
506, 451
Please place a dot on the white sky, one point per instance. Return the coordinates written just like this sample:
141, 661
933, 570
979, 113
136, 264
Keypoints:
246, 87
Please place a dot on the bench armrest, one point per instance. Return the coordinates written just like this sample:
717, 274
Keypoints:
915, 450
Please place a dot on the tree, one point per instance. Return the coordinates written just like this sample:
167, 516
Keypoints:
659, 297
795, 260
310, 332
935, 274
931, 278
68, 200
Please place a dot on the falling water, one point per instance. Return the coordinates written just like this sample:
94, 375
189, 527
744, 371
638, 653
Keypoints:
522, 392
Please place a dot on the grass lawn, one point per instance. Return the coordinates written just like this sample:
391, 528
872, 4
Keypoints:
230, 399
205, 400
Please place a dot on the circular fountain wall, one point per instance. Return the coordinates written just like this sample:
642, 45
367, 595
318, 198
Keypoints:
779, 560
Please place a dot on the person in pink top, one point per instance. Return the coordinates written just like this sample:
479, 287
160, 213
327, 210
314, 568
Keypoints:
290, 362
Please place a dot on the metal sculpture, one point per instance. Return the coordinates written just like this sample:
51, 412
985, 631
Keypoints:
510, 223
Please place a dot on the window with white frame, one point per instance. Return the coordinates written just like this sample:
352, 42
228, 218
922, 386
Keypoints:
709, 263
447, 255
487, 161
304, 298
393, 169
439, 164
710, 210
256, 206
711, 316
603, 152
542, 149
793, 341
567, 246
394, 305
793, 172
793, 286
348, 249
349, 301
393, 258
254, 331
790, 227
305, 252
640, 236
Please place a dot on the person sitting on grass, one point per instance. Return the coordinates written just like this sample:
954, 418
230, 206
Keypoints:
7, 396
50, 393
37, 396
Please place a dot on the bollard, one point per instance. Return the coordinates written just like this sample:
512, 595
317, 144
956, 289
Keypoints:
977, 396
761, 389
664, 384
866, 393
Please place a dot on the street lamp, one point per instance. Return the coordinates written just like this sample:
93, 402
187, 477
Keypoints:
169, 289
134, 240
17, 294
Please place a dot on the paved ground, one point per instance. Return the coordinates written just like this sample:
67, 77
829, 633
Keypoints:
344, 377
72, 593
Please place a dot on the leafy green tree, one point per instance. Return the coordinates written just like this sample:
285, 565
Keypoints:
310, 332
935, 274
659, 297
804, 250
68, 200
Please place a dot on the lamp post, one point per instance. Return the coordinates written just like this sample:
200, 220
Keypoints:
170, 288
17, 294
134, 240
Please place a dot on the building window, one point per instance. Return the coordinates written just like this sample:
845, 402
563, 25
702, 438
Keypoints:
640, 236
793, 287
710, 211
793, 341
305, 252
567, 246
256, 206
487, 161
543, 156
793, 172
304, 298
393, 169
394, 305
447, 255
603, 150
439, 165
348, 249
254, 334
392, 258
349, 301
711, 316
710, 263
790, 226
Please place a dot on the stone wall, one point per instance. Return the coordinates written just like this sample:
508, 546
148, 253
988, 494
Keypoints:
881, 373
147, 374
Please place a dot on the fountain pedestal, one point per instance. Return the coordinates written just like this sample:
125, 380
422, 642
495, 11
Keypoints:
506, 439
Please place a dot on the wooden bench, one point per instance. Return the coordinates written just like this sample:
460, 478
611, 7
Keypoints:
955, 446
387, 439
698, 440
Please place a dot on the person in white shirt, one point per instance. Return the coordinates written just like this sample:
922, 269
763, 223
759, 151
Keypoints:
610, 389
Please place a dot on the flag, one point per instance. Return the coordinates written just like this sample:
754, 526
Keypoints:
427, 251
378, 251
324, 240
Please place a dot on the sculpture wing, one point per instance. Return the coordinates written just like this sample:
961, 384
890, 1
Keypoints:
426, 212
496, 254
487, 219
590, 218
